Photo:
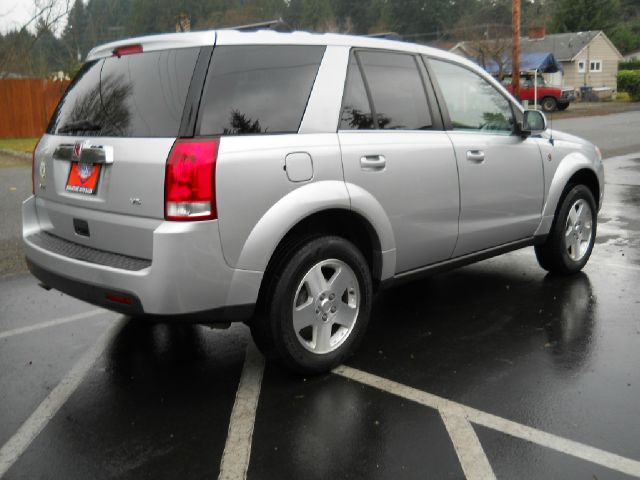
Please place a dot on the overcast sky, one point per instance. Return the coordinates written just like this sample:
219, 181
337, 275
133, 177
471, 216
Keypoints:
15, 13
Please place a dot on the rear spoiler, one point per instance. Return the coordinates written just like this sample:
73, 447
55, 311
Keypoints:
156, 42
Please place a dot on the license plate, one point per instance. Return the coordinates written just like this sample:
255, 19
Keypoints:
83, 178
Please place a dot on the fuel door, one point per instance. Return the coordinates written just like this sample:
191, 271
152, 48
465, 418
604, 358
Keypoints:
299, 167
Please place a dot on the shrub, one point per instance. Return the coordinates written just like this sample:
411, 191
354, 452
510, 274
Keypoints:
629, 81
630, 65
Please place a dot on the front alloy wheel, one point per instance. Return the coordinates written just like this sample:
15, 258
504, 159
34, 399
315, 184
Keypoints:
578, 228
570, 241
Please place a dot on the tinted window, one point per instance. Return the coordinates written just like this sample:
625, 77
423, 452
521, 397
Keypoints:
398, 94
356, 111
258, 89
473, 103
141, 95
81, 101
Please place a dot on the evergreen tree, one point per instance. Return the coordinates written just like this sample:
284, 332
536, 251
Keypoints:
74, 35
317, 14
582, 15
294, 15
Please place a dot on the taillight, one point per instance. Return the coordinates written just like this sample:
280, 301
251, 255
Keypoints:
127, 50
189, 192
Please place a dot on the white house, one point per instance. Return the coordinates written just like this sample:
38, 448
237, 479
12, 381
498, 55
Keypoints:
587, 58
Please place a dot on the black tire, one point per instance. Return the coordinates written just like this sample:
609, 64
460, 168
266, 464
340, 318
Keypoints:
554, 255
563, 106
273, 330
549, 104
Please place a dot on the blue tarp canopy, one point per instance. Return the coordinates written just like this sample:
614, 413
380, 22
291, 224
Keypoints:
544, 62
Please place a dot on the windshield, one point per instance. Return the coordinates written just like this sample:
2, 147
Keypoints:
525, 81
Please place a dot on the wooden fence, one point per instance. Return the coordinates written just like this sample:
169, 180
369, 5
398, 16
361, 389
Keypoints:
26, 105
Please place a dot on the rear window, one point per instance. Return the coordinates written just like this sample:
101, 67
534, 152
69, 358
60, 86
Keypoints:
140, 95
253, 89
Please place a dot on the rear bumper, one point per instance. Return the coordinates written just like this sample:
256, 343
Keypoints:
187, 275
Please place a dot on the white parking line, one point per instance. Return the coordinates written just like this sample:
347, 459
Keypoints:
52, 323
473, 460
570, 447
237, 449
30, 429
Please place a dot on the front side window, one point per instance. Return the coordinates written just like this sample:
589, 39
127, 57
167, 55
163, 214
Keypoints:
397, 91
581, 66
258, 89
473, 103
595, 66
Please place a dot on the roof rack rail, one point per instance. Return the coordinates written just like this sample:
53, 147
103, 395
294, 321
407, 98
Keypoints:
385, 35
277, 25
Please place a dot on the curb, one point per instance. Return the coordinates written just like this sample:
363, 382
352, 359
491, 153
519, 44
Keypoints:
14, 153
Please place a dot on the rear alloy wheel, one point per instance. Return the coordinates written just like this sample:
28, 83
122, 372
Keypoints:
319, 307
325, 306
549, 104
572, 236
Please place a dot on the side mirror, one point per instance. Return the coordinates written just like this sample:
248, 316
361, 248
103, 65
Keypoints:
533, 123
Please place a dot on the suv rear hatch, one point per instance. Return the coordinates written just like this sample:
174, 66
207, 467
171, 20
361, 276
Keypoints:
99, 170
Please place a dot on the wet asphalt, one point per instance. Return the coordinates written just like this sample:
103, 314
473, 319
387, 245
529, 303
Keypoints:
560, 355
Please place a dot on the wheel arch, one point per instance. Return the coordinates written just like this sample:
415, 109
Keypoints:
589, 179
321, 208
574, 169
337, 221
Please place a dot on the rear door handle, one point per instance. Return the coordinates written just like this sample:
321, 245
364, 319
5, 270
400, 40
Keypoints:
476, 156
373, 162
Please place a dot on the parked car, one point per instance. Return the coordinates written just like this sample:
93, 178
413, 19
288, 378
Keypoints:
550, 97
282, 179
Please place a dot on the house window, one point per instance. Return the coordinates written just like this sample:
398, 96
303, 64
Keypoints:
595, 66
581, 65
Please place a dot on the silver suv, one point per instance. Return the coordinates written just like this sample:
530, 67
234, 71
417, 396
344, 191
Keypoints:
282, 179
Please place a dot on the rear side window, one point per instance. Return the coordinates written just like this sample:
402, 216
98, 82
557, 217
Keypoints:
253, 89
356, 111
140, 95
397, 91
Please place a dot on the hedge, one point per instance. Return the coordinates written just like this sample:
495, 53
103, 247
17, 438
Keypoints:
630, 65
629, 81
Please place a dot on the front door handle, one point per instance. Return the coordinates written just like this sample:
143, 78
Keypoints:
475, 156
373, 162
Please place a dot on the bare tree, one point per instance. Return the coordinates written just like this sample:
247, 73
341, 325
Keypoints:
486, 44
17, 45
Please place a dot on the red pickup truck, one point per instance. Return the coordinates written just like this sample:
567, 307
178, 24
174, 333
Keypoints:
550, 98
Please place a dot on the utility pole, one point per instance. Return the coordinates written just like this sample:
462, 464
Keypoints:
515, 61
